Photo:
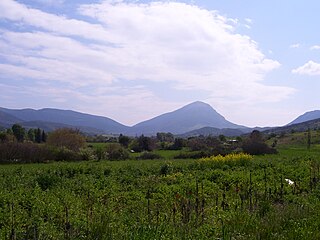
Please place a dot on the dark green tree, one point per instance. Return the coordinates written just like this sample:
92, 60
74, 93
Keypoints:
31, 135
18, 131
43, 136
38, 135
124, 140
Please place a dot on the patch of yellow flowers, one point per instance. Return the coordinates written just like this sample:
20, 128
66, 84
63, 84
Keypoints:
230, 157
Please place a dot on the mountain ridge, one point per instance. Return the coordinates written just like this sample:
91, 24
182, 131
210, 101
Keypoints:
307, 116
194, 118
187, 118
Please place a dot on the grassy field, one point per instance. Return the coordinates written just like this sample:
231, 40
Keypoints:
164, 199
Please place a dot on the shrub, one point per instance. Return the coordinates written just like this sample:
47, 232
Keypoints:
149, 155
192, 155
114, 151
233, 159
65, 154
255, 145
24, 152
66, 138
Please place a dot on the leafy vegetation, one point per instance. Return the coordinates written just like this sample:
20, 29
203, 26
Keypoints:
233, 195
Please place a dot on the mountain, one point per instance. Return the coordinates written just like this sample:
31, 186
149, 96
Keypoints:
306, 117
297, 127
6, 120
56, 118
190, 117
194, 116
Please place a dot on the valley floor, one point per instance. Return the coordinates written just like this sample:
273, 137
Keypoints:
164, 199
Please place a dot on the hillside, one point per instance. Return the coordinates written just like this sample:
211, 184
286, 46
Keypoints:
197, 115
298, 127
308, 116
190, 117
55, 117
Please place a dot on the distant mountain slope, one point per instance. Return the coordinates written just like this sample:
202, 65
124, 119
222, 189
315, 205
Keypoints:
190, 117
194, 116
298, 127
67, 117
306, 117
50, 126
210, 131
6, 120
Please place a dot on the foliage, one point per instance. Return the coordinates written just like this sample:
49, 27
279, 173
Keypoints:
255, 145
115, 151
143, 143
229, 157
18, 132
124, 140
149, 155
66, 138
161, 199
24, 152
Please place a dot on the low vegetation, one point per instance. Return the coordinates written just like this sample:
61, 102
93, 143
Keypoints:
225, 194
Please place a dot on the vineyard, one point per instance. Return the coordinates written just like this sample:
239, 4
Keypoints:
233, 197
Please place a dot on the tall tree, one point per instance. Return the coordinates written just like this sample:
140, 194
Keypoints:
124, 140
31, 134
18, 132
38, 135
43, 136
68, 138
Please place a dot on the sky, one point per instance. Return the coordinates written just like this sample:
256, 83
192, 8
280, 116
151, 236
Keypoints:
256, 62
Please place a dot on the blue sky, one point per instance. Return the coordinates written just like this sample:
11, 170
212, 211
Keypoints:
256, 62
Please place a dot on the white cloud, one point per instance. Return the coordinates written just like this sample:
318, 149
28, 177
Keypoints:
315, 47
311, 68
295, 45
167, 42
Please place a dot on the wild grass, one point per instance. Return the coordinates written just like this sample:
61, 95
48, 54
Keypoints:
230, 197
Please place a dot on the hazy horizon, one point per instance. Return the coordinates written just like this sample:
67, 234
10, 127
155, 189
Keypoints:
256, 63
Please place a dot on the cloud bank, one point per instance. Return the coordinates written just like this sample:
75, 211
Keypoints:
180, 45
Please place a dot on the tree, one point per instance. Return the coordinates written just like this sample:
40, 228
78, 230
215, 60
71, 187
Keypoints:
43, 136
31, 135
222, 138
124, 140
143, 143
18, 132
255, 145
114, 151
68, 138
38, 135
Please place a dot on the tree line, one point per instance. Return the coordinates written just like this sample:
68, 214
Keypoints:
18, 144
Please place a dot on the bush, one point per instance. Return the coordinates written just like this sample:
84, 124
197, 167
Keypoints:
65, 154
257, 148
149, 155
255, 145
114, 151
66, 138
192, 155
24, 153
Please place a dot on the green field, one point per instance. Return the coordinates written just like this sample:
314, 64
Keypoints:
164, 199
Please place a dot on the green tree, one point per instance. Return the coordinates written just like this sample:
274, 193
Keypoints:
31, 135
18, 132
38, 135
255, 145
43, 136
124, 140
68, 138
